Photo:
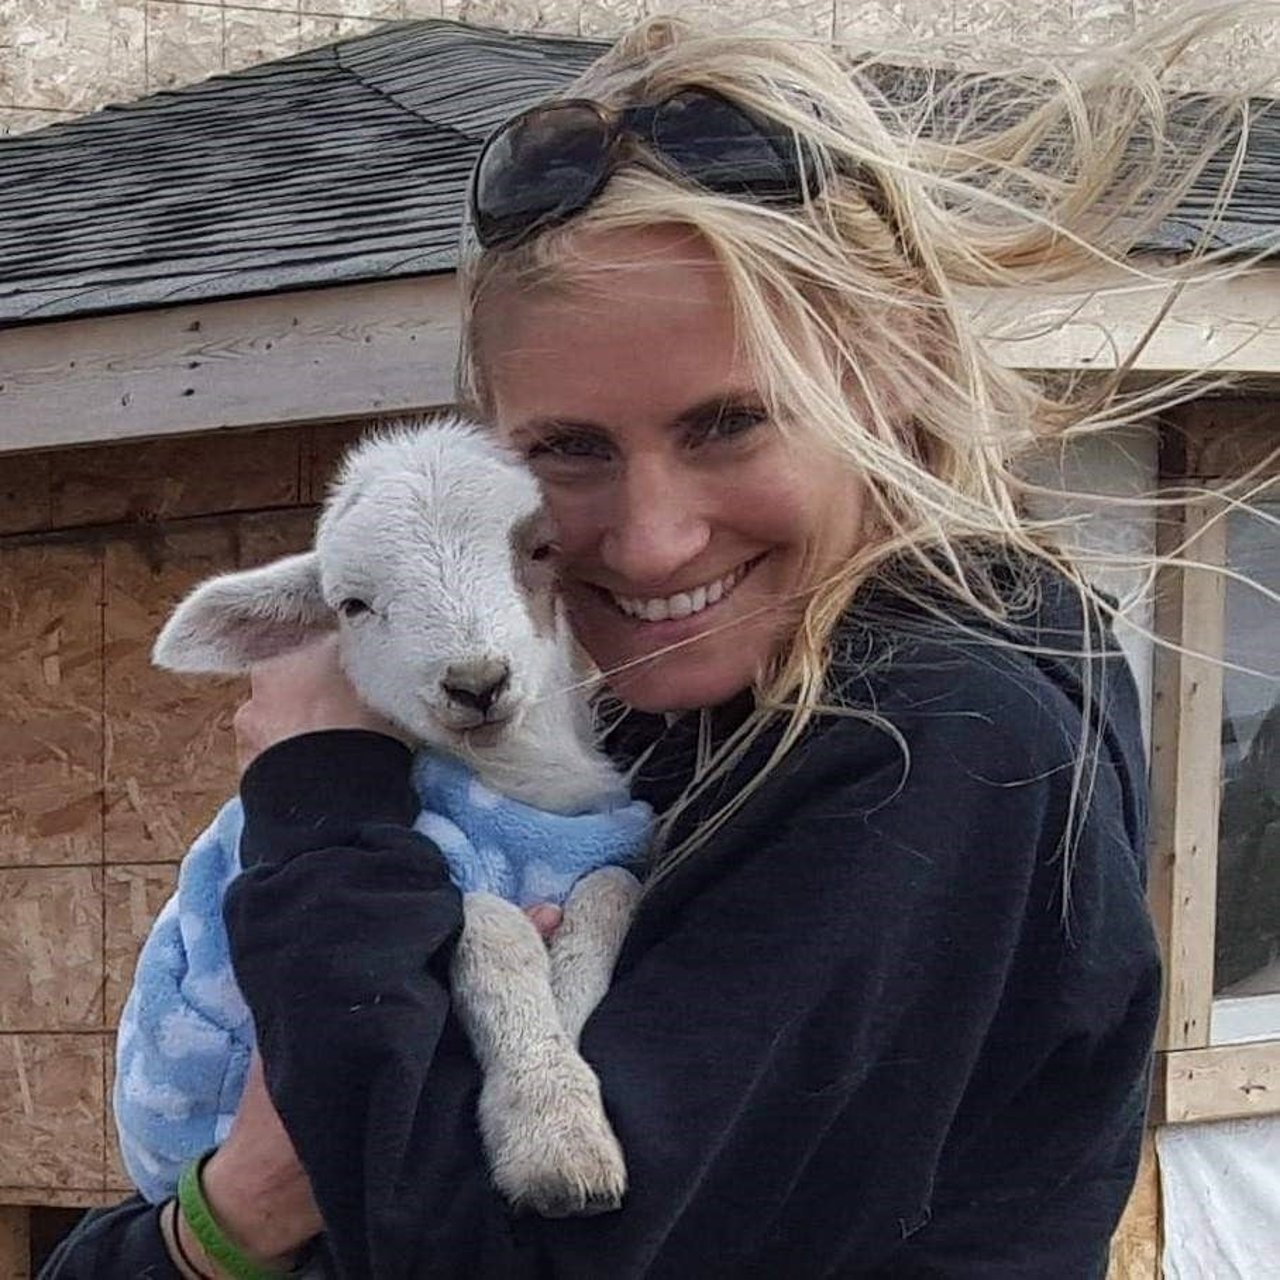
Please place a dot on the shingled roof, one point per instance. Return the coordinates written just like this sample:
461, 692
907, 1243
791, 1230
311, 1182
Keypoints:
345, 163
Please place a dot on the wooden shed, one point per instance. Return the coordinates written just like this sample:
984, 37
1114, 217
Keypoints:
205, 294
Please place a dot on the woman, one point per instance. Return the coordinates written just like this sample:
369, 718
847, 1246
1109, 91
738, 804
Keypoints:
887, 1006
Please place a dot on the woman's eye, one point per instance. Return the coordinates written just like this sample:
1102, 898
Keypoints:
731, 423
353, 608
568, 448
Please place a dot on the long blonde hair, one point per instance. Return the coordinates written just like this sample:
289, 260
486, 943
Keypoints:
852, 306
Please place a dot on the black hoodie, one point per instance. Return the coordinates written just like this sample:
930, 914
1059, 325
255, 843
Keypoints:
861, 1032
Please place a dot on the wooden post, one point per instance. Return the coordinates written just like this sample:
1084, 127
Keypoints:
1186, 767
15, 1242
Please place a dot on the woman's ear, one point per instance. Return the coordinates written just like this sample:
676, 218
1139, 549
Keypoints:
233, 621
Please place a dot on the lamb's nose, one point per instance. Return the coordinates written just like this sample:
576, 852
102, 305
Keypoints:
476, 685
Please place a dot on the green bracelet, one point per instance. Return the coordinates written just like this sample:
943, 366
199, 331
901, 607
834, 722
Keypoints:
204, 1226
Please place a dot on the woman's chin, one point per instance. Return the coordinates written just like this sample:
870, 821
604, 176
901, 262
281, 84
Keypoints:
680, 681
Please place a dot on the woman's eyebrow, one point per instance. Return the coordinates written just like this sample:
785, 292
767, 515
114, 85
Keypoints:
551, 425
715, 405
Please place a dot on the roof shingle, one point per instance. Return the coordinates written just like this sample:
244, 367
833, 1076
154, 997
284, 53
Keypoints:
345, 163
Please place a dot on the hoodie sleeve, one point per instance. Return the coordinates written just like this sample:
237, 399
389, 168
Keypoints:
864, 1032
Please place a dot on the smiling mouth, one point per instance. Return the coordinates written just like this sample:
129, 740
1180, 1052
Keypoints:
684, 604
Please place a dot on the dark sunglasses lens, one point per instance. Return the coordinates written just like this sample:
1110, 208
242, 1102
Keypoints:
723, 148
538, 169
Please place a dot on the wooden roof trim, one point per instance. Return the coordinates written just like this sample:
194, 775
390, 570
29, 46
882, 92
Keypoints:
389, 347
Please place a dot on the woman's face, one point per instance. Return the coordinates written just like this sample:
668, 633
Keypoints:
689, 526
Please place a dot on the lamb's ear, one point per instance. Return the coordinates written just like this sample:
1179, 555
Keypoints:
230, 622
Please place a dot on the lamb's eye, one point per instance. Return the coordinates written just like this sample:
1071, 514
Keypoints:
353, 608
542, 551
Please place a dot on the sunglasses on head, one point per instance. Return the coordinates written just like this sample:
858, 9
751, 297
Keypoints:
549, 163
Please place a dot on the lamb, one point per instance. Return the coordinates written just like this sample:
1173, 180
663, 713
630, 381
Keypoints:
435, 562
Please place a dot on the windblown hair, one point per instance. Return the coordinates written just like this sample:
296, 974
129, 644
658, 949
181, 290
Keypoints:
851, 308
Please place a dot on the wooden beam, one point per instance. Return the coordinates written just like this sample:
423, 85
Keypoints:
1185, 768
381, 348
1230, 326
390, 346
1219, 1083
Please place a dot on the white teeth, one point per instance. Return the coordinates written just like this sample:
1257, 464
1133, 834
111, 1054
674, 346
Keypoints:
684, 603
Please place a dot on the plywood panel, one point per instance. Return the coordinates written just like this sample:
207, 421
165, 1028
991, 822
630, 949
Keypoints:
169, 759
164, 479
50, 705
51, 1111
133, 897
116, 1177
51, 948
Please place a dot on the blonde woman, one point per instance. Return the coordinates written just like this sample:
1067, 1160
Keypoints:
887, 1005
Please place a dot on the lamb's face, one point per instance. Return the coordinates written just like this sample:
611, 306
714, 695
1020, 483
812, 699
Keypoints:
439, 565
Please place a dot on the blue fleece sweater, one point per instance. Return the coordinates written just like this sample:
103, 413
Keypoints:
186, 1035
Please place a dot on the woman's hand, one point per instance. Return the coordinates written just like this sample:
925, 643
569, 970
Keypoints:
256, 1187
301, 692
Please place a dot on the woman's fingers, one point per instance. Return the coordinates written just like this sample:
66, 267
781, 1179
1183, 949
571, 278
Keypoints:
301, 692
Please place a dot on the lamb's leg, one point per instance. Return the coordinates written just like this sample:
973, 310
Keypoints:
585, 947
549, 1142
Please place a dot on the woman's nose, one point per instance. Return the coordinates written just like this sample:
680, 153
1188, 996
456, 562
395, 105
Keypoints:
656, 526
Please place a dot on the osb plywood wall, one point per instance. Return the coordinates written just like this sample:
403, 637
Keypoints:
108, 767
59, 58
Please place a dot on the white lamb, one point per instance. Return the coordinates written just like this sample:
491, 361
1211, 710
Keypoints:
434, 561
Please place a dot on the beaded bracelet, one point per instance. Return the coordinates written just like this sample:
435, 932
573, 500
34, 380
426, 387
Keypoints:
204, 1226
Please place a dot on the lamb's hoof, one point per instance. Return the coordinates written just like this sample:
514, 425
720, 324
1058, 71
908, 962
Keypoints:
574, 1206
552, 1149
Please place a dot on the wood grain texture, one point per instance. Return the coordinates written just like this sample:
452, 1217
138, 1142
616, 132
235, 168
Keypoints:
1186, 767
133, 896
50, 705
51, 948
1220, 1083
169, 759
51, 1104
291, 357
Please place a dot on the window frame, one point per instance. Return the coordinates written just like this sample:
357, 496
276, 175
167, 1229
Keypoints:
1200, 1075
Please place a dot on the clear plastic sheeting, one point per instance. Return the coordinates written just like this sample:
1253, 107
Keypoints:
1220, 1186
